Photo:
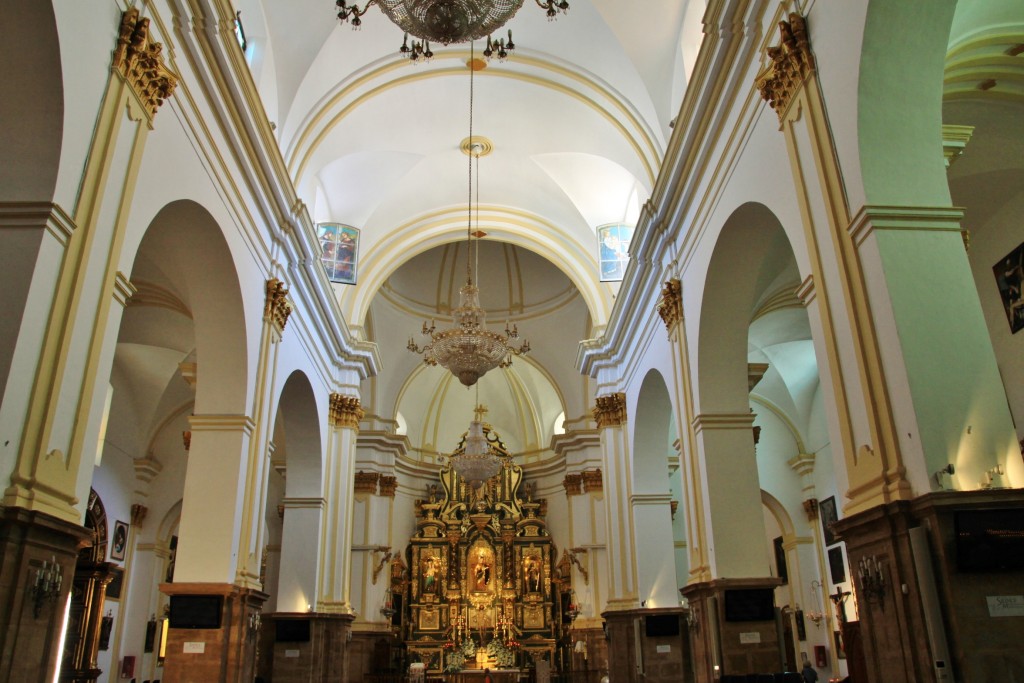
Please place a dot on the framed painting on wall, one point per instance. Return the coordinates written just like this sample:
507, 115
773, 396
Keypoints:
829, 516
120, 542
1009, 274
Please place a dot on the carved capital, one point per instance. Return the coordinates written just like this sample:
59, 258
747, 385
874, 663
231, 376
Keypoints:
277, 309
811, 508
610, 410
345, 411
138, 514
592, 481
670, 306
573, 484
791, 62
140, 62
388, 486
366, 482
186, 439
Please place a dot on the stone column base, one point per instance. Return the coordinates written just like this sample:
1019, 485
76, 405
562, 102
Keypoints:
724, 644
647, 645
30, 629
224, 652
309, 646
894, 596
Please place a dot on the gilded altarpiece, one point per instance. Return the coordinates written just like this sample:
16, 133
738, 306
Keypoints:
481, 590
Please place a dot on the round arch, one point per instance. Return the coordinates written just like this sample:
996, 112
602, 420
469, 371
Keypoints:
183, 264
653, 434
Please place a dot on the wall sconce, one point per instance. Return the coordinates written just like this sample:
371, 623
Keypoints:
990, 475
872, 578
255, 621
46, 586
948, 469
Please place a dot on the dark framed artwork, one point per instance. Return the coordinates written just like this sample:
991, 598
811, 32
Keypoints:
840, 646
340, 244
780, 560
829, 516
836, 567
120, 542
113, 591
1009, 274
613, 246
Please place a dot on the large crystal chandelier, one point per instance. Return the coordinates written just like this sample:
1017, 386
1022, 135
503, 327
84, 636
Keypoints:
446, 21
468, 349
477, 462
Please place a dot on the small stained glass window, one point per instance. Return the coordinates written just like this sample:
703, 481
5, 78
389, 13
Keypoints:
341, 247
613, 245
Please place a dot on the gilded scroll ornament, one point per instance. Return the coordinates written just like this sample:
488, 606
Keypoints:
277, 309
610, 410
345, 411
791, 62
670, 306
139, 61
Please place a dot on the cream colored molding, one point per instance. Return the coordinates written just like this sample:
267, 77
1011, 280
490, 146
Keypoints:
222, 423
35, 215
954, 141
366, 86
782, 298
783, 418
709, 421
147, 468
656, 499
755, 373
806, 291
913, 218
311, 503
123, 289
151, 294
189, 374
574, 441
139, 62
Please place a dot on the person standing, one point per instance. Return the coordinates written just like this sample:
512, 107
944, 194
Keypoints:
809, 674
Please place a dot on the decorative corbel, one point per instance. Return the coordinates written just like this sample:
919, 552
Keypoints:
576, 561
384, 560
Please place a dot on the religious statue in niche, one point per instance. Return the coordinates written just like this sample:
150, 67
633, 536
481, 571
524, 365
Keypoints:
483, 565
531, 573
431, 569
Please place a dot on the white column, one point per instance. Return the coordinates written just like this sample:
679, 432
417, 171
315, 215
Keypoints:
610, 414
336, 557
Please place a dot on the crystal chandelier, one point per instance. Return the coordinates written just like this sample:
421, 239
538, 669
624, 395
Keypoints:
446, 21
468, 349
477, 462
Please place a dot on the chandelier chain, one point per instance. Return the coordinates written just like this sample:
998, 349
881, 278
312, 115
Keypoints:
469, 200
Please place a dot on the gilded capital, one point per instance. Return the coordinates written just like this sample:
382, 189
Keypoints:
366, 482
593, 481
277, 309
388, 486
139, 61
345, 411
670, 306
573, 484
791, 62
610, 410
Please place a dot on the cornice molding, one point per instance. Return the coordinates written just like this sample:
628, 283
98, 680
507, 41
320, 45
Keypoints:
871, 218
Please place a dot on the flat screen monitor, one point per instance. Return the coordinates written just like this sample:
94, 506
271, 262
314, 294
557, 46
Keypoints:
196, 611
661, 625
292, 630
989, 540
750, 604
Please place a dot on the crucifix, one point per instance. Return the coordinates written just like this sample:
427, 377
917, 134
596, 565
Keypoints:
839, 600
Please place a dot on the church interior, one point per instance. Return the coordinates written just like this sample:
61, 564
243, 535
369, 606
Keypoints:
496, 341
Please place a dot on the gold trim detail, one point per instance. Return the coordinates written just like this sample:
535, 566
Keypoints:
140, 63
573, 484
610, 410
345, 411
593, 481
366, 482
670, 306
277, 309
388, 486
791, 64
